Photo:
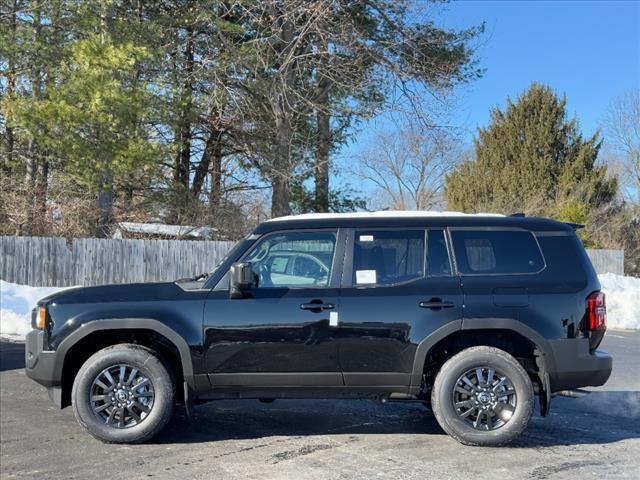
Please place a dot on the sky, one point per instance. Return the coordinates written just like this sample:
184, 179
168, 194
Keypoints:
586, 50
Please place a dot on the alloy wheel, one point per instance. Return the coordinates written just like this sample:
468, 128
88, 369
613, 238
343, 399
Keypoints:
121, 396
484, 398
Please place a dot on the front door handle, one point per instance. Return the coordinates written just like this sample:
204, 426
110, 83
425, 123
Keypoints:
436, 304
317, 306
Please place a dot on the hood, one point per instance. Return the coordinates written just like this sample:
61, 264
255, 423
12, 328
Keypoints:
130, 292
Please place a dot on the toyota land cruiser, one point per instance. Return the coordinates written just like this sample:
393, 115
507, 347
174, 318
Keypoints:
472, 315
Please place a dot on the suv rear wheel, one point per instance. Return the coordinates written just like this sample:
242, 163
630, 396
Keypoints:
123, 394
482, 396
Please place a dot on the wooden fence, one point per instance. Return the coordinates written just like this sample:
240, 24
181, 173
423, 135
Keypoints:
46, 261
607, 261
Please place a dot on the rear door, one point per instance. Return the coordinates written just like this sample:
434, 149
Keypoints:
397, 289
501, 276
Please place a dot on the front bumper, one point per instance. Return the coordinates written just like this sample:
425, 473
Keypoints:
574, 366
40, 364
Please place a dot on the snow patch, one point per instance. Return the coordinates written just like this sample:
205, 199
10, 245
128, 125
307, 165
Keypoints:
16, 303
623, 300
175, 231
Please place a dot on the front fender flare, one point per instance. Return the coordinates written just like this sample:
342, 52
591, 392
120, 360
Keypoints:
124, 324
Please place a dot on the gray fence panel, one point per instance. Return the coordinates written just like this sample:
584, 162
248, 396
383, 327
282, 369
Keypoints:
607, 261
44, 261
35, 261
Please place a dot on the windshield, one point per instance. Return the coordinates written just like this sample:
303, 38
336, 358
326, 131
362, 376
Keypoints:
241, 245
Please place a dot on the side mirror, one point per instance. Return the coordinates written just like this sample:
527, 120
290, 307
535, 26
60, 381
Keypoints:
241, 279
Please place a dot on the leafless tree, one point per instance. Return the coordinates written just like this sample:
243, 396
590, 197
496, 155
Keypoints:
622, 130
408, 165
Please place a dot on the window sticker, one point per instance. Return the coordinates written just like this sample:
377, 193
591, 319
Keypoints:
366, 238
364, 277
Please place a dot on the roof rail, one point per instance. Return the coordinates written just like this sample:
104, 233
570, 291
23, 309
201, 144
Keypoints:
517, 214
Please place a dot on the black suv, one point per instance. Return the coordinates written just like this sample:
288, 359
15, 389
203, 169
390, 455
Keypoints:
470, 314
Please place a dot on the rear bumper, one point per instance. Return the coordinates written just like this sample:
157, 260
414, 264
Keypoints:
574, 366
40, 364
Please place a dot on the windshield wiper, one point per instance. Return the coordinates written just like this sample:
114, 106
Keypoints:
197, 278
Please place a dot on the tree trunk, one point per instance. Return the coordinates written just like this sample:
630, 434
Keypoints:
323, 134
105, 203
36, 93
215, 194
212, 149
280, 180
183, 159
281, 104
322, 156
7, 163
42, 184
280, 197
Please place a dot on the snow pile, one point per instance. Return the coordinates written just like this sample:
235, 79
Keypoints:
16, 303
623, 300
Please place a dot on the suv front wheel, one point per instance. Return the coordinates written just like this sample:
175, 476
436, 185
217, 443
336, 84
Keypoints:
482, 396
123, 394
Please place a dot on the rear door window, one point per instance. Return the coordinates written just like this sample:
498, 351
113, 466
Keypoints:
496, 252
437, 255
387, 257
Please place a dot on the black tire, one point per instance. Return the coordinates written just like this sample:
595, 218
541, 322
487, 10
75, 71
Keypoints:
462, 429
151, 367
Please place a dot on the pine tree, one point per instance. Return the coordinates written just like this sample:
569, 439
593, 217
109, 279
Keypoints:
533, 159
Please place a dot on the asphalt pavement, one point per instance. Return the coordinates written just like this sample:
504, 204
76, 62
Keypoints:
597, 436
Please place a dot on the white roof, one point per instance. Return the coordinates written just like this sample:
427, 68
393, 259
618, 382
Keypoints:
383, 214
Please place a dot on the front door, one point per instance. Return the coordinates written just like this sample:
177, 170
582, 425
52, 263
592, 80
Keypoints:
279, 334
396, 293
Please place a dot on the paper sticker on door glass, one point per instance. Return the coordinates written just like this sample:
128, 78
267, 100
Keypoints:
366, 238
365, 277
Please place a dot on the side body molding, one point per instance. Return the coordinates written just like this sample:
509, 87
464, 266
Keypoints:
127, 323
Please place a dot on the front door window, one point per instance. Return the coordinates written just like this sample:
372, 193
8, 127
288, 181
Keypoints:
293, 260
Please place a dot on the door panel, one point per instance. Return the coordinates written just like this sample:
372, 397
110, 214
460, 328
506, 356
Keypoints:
276, 336
381, 325
380, 328
270, 333
506, 277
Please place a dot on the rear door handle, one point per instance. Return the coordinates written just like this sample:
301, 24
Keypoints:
436, 304
317, 306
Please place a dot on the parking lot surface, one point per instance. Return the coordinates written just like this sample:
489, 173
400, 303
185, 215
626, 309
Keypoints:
597, 436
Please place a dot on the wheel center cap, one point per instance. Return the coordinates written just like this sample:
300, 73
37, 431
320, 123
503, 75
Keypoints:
121, 395
484, 397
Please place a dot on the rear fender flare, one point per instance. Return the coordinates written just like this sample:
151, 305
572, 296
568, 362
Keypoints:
544, 358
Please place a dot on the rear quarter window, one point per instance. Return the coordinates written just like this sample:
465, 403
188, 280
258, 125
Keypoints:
496, 252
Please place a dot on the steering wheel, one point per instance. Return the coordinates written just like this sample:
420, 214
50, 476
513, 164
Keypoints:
264, 273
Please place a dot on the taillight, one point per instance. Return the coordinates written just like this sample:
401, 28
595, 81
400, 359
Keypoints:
596, 312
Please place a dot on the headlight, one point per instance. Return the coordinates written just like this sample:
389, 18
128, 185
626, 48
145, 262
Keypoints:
39, 318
